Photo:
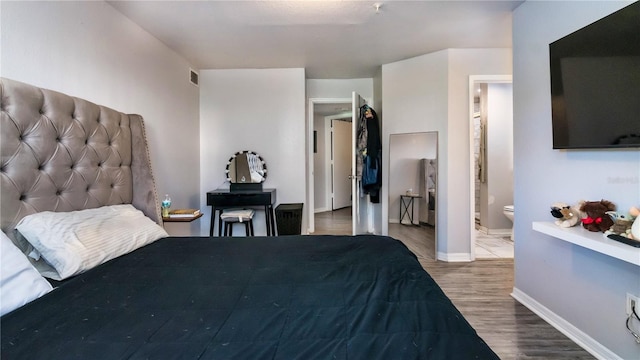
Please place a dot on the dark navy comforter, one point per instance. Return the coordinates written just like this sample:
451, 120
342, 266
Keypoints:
287, 297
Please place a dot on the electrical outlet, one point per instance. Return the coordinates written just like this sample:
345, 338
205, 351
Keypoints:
633, 302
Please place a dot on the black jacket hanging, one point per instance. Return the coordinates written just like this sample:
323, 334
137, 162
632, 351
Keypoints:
372, 159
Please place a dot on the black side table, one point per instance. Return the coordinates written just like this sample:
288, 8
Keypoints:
406, 202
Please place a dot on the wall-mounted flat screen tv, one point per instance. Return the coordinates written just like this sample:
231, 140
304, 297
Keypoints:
595, 84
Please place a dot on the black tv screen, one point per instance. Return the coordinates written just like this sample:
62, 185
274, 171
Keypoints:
595, 84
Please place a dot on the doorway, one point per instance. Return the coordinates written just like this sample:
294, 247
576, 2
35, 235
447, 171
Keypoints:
491, 180
322, 112
361, 210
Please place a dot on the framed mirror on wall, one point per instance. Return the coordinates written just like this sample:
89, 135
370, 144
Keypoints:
413, 174
246, 169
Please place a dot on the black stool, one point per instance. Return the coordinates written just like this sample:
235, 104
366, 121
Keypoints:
243, 216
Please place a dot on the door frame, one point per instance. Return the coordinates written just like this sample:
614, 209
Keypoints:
472, 171
310, 174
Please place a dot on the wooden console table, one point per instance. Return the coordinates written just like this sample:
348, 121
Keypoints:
221, 199
181, 219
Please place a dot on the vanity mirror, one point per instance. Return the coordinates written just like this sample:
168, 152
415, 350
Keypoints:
246, 167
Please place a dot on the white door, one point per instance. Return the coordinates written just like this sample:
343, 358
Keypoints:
359, 209
341, 153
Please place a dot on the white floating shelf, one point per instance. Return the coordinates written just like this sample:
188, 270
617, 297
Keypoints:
590, 240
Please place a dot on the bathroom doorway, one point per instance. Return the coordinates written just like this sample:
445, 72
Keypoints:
491, 130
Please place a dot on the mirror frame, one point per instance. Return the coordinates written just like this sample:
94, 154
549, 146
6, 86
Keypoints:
264, 166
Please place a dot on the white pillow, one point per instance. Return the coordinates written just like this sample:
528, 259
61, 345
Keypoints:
20, 283
76, 241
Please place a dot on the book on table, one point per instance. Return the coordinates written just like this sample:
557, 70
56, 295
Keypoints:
184, 213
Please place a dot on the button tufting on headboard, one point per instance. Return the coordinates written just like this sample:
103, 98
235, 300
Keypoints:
61, 153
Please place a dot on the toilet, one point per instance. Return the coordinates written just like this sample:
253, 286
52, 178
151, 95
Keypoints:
507, 210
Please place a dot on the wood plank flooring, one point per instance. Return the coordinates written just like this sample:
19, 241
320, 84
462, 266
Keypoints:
481, 291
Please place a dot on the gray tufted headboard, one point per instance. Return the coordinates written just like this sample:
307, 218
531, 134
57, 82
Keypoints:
61, 153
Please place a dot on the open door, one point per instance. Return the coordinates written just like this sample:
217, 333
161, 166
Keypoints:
359, 217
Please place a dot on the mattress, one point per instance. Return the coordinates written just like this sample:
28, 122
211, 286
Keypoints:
286, 297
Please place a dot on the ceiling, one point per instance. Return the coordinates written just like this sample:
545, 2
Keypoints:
330, 39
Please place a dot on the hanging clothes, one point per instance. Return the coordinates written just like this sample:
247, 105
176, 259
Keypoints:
361, 143
371, 159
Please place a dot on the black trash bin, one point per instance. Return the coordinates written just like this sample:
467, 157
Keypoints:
289, 219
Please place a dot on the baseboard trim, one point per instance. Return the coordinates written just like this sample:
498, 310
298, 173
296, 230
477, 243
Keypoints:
497, 232
319, 210
578, 336
454, 257
500, 232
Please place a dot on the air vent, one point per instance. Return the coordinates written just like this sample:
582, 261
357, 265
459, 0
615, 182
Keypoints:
193, 77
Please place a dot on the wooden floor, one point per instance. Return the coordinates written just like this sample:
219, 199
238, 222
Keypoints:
481, 291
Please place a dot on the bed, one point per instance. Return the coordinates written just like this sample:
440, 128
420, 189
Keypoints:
285, 297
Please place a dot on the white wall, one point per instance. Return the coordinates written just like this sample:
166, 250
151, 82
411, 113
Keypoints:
415, 100
583, 288
339, 88
377, 93
258, 110
91, 51
462, 64
431, 93
499, 155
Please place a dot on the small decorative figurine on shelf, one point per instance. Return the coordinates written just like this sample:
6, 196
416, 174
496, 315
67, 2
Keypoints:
635, 228
596, 219
621, 224
567, 215
166, 205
